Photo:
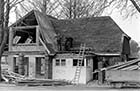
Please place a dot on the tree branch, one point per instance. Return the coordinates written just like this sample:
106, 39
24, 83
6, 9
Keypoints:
135, 5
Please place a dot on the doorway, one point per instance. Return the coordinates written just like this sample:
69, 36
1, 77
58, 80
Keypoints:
95, 67
40, 67
25, 65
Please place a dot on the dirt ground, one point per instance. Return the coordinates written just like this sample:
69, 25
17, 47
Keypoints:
93, 87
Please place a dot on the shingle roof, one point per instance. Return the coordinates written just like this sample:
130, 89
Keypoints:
101, 34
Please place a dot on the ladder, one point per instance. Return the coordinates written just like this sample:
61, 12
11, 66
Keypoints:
79, 64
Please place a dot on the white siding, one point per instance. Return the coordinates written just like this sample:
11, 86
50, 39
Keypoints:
68, 72
89, 70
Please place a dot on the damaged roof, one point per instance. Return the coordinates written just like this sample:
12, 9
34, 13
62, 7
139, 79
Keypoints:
101, 34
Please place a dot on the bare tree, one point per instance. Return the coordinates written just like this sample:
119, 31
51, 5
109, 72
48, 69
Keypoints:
50, 7
1, 27
136, 4
5, 7
83, 8
80, 8
126, 7
67, 8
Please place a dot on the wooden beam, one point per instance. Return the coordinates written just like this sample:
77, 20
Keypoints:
26, 52
37, 35
10, 39
100, 74
21, 64
46, 66
44, 45
23, 27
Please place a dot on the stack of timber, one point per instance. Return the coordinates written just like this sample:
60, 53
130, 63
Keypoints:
130, 65
11, 77
41, 82
17, 79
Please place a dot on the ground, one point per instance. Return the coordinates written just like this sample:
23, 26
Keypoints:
12, 87
94, 86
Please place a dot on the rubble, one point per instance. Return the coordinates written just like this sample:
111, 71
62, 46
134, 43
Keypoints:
19, 80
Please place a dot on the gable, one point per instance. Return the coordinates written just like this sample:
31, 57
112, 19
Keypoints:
36, 18
27, 20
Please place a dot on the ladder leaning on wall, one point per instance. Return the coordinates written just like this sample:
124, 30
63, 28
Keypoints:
79, 64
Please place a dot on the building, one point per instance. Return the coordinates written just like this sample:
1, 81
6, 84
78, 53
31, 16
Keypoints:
41, 46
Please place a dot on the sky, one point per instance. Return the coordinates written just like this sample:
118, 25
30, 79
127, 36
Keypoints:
130, 26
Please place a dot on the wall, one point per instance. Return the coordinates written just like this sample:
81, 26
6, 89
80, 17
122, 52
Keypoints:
32, 64
68, 72
10, 62
89, 69
4, 64
27, 48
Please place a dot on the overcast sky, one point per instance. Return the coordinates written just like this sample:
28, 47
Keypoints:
130, 26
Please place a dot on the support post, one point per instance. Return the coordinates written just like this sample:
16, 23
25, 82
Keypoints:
21, 64
46, 66
37, 35
11, 35
100, 74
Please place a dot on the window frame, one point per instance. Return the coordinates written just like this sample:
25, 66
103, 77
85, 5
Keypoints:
76, 59
57, 62
63, 63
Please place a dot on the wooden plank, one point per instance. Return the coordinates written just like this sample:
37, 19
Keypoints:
131, 67
23, 27
26, 52
37, 35
126, 64
100, 74
44, 45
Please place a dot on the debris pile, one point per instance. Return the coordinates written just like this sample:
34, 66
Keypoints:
130, 65
19, 80
11, 77
41, 82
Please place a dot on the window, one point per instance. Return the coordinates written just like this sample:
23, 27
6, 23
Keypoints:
57, 62
75, 62
88, 62
60, 62
63, 62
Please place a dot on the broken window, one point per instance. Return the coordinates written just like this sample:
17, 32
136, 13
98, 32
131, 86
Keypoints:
25, 65
25, 36
75, 62
40, 67
15, 64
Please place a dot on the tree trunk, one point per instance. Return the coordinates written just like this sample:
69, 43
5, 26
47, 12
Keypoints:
44, 6
1, 30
